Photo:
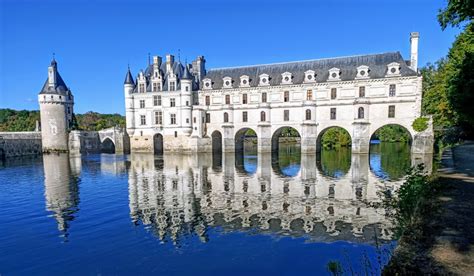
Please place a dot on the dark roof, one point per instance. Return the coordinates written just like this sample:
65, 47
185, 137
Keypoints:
377, 64
186, 74
129, 78
60, 88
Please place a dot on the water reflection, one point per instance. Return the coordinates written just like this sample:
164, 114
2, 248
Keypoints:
61, 188
390, 161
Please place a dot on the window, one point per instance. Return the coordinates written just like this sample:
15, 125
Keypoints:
173, 119
264, 97
309, 95
155, 87
391, 111
244, 98
208, 117
244, 116
142, 103
262, 116
226, 117
194, 120
208, 100
362, 92
172, 86
158, 118
227, 99
286, 96
333, 93
156, 100
286, 115
392, 90
360, 113
172, 102
308, 114
187, 103
141, 88
175, 134
142, 120
333, 113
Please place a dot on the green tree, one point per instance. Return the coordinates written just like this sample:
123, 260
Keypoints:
456, 12
336, 137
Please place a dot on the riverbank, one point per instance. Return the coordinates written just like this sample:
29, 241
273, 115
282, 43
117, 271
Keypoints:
442, 237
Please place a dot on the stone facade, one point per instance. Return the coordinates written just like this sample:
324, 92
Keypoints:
184, 108
15, 144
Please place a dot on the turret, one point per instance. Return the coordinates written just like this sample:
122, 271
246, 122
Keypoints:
186, 94
186, 80
129, 85
56, 110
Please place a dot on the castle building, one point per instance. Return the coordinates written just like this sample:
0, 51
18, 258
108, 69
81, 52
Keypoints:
56, 110
186, 108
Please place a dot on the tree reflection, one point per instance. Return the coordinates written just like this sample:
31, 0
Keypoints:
390, 161
334, 163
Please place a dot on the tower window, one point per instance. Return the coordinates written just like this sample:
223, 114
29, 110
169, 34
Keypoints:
360, 113
244, 116
309, 95
286, 115
286, 96
175, 134
244, 98
392, 90
173, 119
391, 111
362, 92
333, 93
227, 99
208, 117
333, 113
226, 117
264, 97
208, 100
308, 114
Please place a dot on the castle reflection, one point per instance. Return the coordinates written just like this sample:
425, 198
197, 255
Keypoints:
179, 195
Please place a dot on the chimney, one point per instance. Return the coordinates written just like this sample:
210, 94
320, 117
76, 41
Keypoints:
169, 63
156, 63
199, 67
414, 50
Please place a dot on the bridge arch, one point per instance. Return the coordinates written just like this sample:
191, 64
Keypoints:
216, 137
107, 145
241, 135
284, 132
158, 143
340, 132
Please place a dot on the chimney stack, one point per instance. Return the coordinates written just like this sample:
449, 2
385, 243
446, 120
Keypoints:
414, 50
169, 63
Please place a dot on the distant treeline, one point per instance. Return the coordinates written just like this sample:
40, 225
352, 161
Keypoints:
25, 120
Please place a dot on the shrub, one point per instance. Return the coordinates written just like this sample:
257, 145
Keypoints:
420, 124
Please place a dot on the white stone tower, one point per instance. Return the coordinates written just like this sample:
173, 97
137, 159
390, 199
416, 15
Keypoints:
187, 98
56, 109
128, 86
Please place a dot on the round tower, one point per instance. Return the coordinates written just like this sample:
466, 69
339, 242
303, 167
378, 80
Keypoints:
187, 97
56, 110
128, 86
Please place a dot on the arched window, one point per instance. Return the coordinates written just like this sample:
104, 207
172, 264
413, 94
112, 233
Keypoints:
361, 113
226, 117
262, 116
308, 114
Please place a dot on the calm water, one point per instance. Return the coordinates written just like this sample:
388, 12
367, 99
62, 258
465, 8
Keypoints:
282, 214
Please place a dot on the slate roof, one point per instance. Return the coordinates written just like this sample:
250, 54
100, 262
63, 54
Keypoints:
377, 64
129, 78
60, 88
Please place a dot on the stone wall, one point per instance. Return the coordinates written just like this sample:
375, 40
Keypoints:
15, 144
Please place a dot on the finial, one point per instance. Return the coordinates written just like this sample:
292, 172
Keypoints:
179, 55
54, 55
148, 58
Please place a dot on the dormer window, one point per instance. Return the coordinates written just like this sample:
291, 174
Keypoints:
244, 81
264, 80
227, 81
309, 76
207, 83
362, 72
334, 74
286, 78
393, 69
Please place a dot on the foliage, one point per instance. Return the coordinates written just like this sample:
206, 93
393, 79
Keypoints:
250, 133
456, 12
335, 137
289, 132
392, 133
334, 268
420, 124
335, 163
24, 120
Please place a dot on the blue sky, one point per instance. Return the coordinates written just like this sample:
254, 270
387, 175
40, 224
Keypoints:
95, 40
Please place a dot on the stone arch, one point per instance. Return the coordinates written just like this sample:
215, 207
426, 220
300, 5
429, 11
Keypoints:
322, 132
277, 134
240, 137
406, 129
216, 142
107, 145
158, 143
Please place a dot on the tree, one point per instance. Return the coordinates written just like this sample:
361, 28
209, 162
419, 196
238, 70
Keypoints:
456, 12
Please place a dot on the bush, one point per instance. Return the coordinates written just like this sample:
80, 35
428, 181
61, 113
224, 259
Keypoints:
420, 124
